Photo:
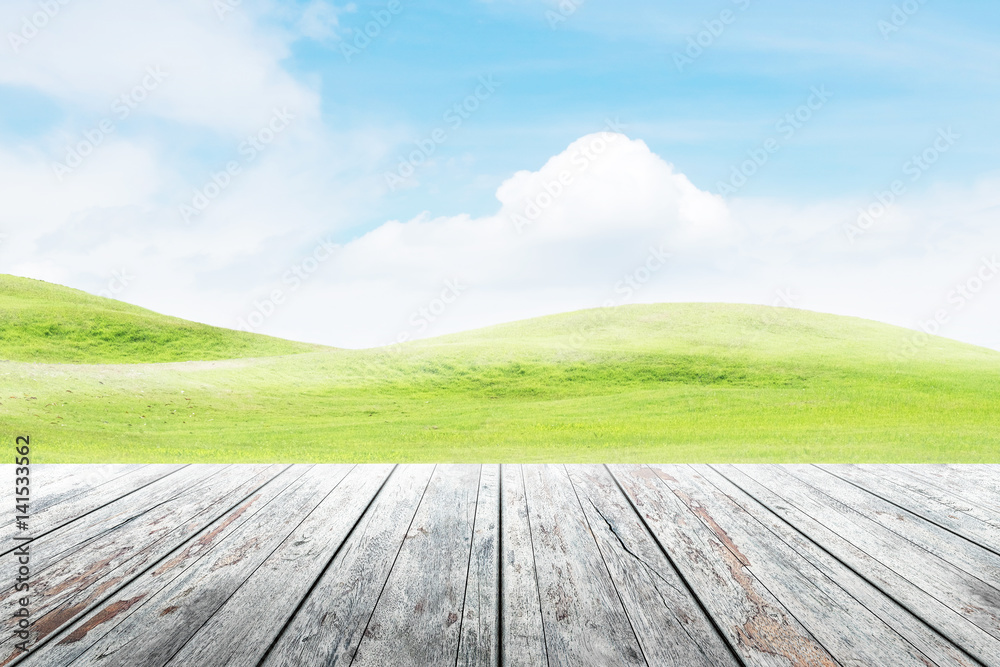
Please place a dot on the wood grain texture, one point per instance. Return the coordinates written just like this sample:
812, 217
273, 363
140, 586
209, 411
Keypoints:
98, 526
760, 629
981, 493
694, 565
71, 497
479, 644
416, 620
153, 631
976, 566
56, 484
522, 633
938, 507
70, 583
670, 626
848, 630
914, 580
231, 637
329, 625
77, 637
924, 637
585, 622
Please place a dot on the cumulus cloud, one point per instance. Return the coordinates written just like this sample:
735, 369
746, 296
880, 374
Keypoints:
564, 236
593, 227
604, 222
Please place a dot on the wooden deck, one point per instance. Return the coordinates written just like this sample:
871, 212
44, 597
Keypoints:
530, 565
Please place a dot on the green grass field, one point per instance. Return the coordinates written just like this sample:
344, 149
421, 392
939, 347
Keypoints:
671, 382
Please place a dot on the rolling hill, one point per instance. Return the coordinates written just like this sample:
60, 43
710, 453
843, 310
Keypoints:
40, 321
666, 382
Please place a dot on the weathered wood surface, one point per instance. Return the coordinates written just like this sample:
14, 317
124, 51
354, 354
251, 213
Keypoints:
122, 605
933, 592
508, 566
132, 536
274, 590
329, 625
670, 626
976, 525
585, 622
759, 628
522, 636
922, 636
416, 618
480, 641
69, 497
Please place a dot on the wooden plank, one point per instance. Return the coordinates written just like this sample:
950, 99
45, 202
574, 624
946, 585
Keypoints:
984, 478
969, 557
415, 621
925, 586
64, 589
77, 495
522, 633
75, 638
50, 474
953, 492
55, 545
849, 631
273, 592
672, 629
327, 628
479, 643
154, 631
585, 622
758, 627
938, 649
943, 509
974, 490
57, 483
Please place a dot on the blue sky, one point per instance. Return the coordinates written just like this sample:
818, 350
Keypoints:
893, 77
617, 60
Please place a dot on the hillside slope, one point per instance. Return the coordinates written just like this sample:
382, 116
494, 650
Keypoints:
667, 382
47, 323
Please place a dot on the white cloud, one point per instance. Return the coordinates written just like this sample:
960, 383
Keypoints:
578, 232
563, 238
582, 247
222, 73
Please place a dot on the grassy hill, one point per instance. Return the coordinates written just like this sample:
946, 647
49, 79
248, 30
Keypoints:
40, 321
670, 382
